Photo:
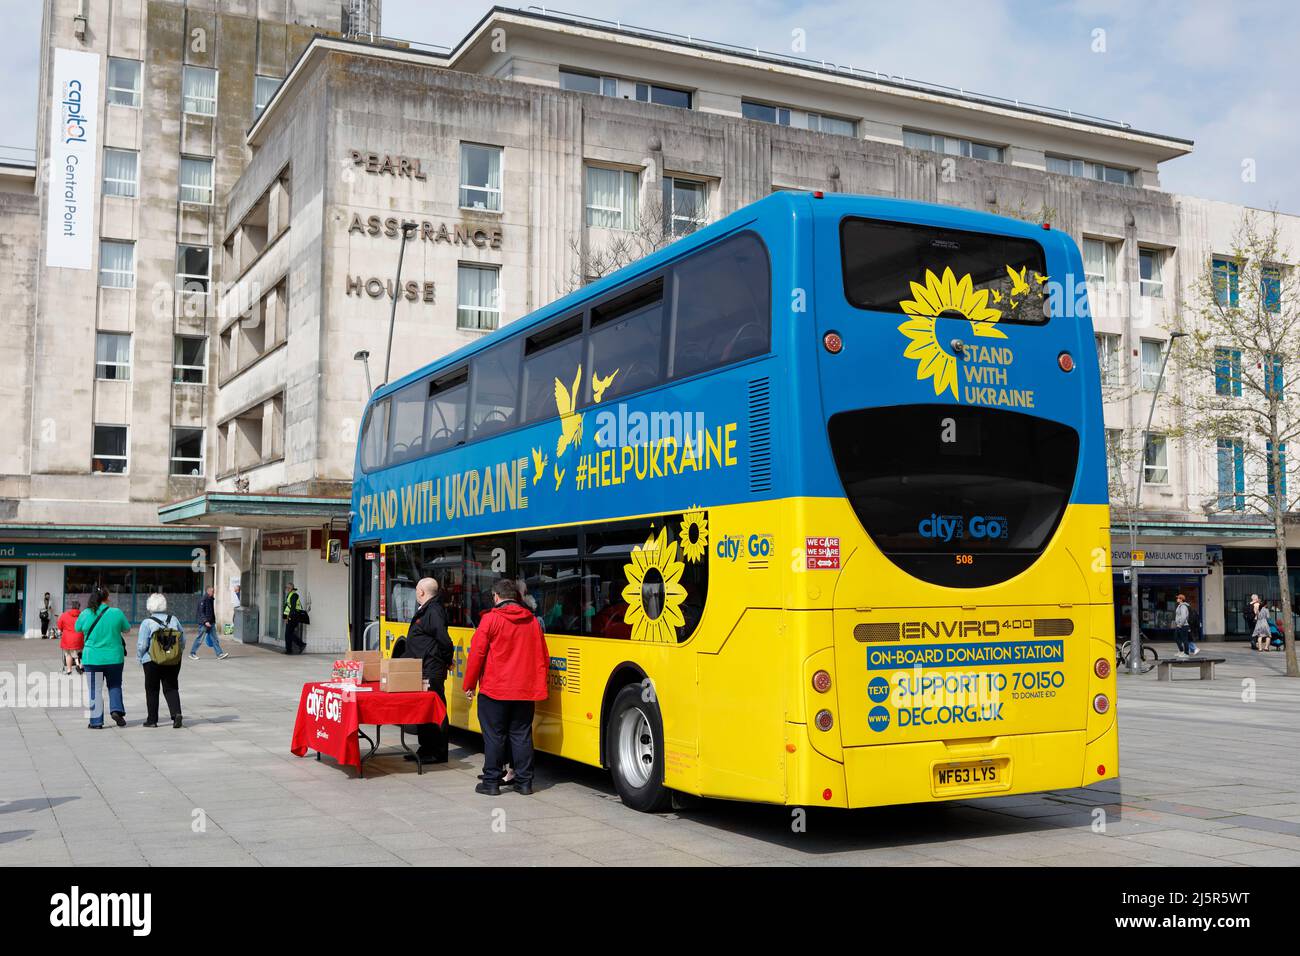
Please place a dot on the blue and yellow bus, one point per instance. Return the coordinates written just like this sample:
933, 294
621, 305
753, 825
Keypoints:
812, 504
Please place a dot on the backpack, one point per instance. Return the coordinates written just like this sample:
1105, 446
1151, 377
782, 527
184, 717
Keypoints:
1194, 619
165, 643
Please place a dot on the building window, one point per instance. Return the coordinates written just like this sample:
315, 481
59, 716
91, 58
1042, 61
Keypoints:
480, 177
1226, 274
1280, 458
1152, 360
586, 83
777, 115
264, 88
663, 95
1150, 269
1108, 358
1270, 288
113, 356
196, 181
821, 123
951, 145
199, 91
1099, 258
116, 264
109, 449
123, 82
1275, 385
1070, 166
611, 198
476, 302
1156, 460
1227, 372
193, 269
1231, 462
189, 359
685, 205
187, 451
121, 173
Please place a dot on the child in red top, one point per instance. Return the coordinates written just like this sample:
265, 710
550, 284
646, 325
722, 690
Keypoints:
70, 639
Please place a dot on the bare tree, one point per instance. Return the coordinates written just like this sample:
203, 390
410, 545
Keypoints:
1245, 334
620, 247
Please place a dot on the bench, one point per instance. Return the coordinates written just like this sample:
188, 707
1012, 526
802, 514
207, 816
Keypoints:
1164, 669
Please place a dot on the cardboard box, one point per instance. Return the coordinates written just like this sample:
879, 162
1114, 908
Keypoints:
370, 660
398, 675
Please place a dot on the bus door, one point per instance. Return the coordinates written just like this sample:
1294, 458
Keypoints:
364, 597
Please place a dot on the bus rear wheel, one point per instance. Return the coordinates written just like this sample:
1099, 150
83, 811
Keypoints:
634, 740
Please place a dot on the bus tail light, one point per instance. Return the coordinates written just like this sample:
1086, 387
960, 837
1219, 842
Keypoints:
1066, 361
1101, 668
821, 682
824, 720
1101, 703
834, 344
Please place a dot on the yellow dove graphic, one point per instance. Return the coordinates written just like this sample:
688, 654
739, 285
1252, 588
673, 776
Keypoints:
598, 385
1039, 279
570, 423
1018, 284
997, 296
539, 465
559, 477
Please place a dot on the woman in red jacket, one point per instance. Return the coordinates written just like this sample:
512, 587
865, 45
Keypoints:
507, 663
70, 639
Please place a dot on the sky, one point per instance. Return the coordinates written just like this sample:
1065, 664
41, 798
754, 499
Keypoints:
1224, 75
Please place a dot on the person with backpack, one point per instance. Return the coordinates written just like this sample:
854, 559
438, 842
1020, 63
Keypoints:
159, 649
104, 649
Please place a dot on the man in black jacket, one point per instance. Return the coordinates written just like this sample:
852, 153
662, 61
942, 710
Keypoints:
428, 641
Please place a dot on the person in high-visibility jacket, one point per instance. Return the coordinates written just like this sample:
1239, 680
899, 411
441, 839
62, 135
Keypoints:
293, 615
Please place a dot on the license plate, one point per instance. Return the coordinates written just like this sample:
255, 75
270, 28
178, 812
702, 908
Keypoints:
975, 775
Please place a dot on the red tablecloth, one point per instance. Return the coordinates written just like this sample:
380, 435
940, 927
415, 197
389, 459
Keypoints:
329, 718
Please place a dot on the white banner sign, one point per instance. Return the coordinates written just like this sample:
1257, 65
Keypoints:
69, 239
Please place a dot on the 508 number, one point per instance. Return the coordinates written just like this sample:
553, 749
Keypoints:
965, 558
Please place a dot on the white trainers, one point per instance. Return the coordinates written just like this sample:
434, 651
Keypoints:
194, 657
222, 656
1180, 656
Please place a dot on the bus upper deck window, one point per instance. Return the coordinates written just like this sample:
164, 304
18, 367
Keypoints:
549, 355
496, 388
445, 424
721, 305
625, 344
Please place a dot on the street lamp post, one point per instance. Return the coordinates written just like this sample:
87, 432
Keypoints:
363, 356
408, 230
1134, 631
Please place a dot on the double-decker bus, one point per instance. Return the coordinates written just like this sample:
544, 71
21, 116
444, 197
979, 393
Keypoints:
812, 504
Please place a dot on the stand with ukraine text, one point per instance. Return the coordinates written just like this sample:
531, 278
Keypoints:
330, 717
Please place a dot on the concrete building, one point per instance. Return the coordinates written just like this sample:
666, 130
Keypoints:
540, 143
110, 281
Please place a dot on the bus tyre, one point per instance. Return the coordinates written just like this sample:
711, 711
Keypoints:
635, 744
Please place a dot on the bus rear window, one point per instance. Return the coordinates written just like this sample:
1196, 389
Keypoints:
883, 259
963, 497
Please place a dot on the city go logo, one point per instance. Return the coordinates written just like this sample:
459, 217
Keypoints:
729, 546
330, 705
949, 527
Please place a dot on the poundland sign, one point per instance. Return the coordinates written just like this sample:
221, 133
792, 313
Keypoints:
74, 113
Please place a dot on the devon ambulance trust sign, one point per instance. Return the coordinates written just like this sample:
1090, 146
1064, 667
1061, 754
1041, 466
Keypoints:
74, 135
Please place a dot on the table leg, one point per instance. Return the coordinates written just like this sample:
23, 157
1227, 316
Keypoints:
374, 745
419, 764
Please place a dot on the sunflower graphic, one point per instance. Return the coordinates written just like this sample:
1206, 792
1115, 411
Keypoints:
695, 534
946, 296
654, 591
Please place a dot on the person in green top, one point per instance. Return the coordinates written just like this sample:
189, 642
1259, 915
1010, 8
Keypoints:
103, 626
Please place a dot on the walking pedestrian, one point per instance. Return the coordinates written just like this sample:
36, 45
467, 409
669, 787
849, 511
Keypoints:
45, 617
1183, 627
427, 641
1261, 633
508, 657
158, 649
207, 627
70, 639
1250, 611
294, 618
102, 627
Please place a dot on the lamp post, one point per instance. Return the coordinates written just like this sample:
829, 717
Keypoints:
1134, 631
363, 356
408, 230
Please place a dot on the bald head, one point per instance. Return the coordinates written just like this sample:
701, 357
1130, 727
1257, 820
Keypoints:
425, 589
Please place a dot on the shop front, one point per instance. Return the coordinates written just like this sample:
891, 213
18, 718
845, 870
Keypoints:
1164, 571
48, 575
1248, 571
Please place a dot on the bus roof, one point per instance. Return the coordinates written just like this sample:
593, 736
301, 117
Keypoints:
793, 202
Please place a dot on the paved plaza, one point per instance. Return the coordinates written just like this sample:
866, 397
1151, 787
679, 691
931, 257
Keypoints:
1210, 776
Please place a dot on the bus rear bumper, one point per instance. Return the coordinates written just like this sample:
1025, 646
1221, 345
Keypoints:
906, 773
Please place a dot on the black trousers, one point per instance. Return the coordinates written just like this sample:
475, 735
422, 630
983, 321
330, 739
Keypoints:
165, 677
292, 630
433, 737
506, 723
